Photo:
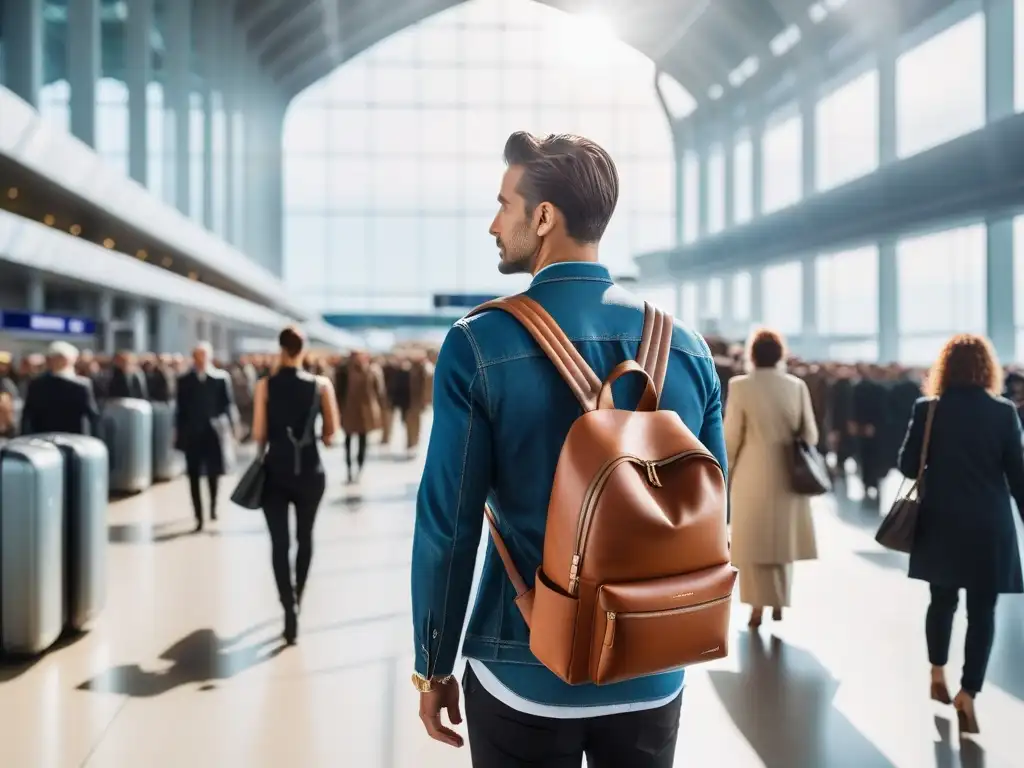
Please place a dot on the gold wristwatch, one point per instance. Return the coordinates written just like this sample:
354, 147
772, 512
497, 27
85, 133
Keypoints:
427, 684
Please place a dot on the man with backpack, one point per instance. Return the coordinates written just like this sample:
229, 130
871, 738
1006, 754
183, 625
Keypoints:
608, 569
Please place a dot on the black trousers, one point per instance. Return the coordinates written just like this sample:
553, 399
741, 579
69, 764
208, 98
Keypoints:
501, 737
981, 631
361, 456
304, 492
212, 482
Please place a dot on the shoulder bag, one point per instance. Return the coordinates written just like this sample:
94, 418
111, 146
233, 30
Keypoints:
899, 526
249, 491
808, 472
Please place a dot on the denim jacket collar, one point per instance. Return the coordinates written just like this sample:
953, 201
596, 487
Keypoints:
573, 270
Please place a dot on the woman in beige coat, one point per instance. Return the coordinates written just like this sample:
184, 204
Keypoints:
771, 525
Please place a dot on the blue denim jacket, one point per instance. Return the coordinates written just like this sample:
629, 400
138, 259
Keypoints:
501, 414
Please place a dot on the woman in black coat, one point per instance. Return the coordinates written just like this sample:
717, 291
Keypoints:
965, 536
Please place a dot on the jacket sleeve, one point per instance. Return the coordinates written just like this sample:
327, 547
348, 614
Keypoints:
735, 422
450, 505
810, 422
910, 452
1013, 458
711, 433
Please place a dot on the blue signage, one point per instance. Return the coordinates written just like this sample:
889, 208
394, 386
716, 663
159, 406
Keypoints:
359, 321
49, 325
461, 300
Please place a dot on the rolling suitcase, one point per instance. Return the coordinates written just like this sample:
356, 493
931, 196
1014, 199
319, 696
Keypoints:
128, 433
31, 546
86, 483
168, 463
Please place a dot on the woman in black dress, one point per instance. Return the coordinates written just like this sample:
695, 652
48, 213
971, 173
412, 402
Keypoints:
285, 406
965, 536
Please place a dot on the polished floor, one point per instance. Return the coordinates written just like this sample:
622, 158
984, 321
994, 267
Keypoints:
185, 667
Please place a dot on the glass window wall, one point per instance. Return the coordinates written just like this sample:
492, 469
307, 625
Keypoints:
392, 163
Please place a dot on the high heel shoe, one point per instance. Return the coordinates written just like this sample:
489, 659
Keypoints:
965, 715
940, 693
291, 627
756, 616
776, 614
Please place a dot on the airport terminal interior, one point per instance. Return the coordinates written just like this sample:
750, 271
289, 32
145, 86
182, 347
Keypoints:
180, 180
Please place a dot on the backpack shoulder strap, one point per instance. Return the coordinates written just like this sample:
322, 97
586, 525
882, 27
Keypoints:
655, 344
580, 377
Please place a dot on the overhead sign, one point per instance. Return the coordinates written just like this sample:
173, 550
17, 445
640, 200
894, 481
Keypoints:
461, 300
362, 322
47, 325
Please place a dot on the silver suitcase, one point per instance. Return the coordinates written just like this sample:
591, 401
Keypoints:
168, 463
86, 493
31, 546
128, 433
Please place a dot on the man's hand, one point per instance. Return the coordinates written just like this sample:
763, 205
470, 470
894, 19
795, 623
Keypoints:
443, 696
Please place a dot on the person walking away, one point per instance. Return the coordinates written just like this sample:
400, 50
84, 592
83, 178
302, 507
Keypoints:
361, 411
965, 537
419, 383
772, 526
284, 419
502, 413
205, 418
60, 400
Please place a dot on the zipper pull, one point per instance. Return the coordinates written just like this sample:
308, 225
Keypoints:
652, 474
609, 630
574, 574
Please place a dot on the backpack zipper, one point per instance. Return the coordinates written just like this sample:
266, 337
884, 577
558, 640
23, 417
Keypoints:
609, 630
595, 488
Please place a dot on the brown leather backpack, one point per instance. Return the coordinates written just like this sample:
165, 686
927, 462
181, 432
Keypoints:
636, 577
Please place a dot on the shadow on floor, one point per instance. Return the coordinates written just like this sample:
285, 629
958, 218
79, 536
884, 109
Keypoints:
148, 533
781, 701
969, 755
355, 499
13, 667
895, 561
199, 657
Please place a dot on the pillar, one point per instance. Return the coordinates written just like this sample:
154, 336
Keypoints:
139, 322
84, 47
105, 308
678, 158
757, 166
23, 48
888, 271
35, 300
808, 170
999, 103
729, 176
702, 186
177, 102
138, 67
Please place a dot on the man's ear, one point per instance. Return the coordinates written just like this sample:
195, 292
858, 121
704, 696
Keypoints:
545, 219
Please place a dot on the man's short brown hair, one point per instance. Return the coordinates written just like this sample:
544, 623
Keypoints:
574, 174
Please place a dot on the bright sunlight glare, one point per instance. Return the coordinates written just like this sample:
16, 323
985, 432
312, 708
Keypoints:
585, 37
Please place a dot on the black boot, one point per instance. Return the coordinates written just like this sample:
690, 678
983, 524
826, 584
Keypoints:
291, 626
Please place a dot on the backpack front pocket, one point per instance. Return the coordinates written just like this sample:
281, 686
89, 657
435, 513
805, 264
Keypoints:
643, 628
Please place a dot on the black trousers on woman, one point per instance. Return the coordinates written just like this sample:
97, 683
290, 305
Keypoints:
981, 632
360, 447
304, 492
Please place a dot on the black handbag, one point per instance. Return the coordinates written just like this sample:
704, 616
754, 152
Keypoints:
900, 525
808, 471
249, 491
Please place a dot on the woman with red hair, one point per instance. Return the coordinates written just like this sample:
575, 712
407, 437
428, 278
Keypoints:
965, 537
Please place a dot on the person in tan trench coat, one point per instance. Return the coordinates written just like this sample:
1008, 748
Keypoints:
771, 525
360, 397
